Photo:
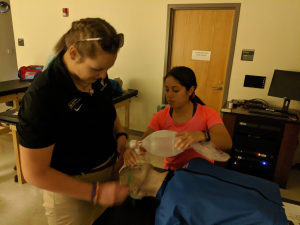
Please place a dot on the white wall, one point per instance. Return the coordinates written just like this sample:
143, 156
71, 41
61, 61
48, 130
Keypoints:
272, 29
268, 26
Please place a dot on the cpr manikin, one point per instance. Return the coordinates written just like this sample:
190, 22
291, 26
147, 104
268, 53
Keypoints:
204, 193
144, 180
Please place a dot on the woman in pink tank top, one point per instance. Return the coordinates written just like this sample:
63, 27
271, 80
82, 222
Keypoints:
188, 116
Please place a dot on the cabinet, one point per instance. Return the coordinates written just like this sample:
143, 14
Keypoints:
261, 146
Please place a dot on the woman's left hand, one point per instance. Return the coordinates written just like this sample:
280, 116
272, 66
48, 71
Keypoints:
187, 138
121, 146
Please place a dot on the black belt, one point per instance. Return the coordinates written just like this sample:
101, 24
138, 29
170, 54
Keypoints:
111, 162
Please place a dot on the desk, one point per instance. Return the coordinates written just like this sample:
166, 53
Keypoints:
13, 90
9, 120
283, 145
124, 100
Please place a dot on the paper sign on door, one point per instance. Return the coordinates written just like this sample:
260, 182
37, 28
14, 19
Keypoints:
201, 55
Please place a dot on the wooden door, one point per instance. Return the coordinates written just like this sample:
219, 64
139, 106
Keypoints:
204, 30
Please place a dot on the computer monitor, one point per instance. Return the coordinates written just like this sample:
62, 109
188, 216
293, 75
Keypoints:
285, 84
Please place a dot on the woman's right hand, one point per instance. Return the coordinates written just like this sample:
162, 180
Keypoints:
112, 193
131, 157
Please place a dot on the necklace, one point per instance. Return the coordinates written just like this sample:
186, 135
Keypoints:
84, 88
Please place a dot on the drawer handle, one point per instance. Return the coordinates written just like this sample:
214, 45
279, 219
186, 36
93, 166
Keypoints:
254, 136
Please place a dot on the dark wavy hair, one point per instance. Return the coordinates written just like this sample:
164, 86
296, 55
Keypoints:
186, 78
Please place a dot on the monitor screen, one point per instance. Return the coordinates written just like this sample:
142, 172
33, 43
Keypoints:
254, 81
285, 84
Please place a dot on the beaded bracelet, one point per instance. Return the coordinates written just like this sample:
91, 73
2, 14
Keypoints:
93, 192
95, 200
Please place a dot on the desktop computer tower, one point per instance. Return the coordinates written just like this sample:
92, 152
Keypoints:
256, 145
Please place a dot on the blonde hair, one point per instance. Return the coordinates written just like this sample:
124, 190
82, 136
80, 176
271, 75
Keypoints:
83, 29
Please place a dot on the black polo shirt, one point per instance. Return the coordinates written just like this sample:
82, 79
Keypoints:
54, 111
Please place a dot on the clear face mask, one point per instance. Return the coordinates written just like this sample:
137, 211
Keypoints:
142, 159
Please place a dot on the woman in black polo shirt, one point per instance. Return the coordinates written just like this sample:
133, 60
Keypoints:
69, 131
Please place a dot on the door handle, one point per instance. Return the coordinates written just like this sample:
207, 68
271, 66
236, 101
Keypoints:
217, 88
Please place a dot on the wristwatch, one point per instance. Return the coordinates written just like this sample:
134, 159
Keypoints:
207, 135
121, 134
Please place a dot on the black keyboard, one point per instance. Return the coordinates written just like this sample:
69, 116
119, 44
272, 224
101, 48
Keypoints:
268, 113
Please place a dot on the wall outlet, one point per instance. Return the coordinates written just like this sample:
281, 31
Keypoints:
21, 42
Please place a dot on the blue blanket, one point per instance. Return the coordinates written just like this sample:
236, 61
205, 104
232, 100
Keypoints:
204, 193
